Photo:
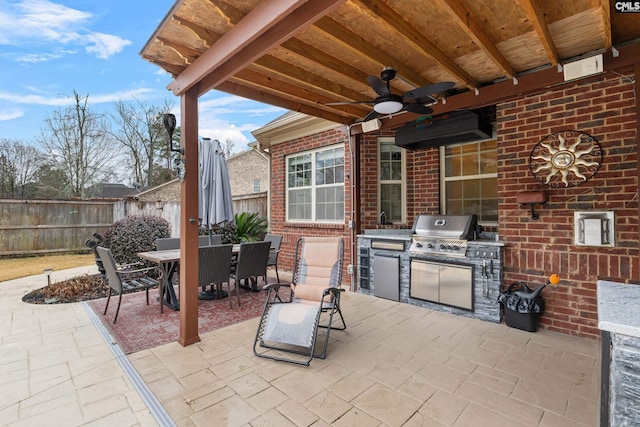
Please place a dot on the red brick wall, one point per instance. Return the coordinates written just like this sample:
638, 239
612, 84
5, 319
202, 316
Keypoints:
422, 181
537, 248
291, 231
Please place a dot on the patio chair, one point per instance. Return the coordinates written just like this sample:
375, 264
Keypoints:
275, 240
290, 325
167, 243
214, 268
251, 264
125, 281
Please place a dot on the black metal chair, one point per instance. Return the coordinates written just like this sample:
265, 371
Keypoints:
167, 243
214, 268
125, 281
252, 263
291, 324
276, 241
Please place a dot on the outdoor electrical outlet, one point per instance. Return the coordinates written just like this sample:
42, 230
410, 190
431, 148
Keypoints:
350, 269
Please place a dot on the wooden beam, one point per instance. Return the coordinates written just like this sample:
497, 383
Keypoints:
359, 46
207, 37
606, 22
536, 15
529, 84
475, 31
288, 71
189, 220
261, 96
291, 73
311, 53
189, 55
256, 80
229, 11
265, 27
414, 37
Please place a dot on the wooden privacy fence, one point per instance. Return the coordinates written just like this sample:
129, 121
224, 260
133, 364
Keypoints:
48, 226
29, 227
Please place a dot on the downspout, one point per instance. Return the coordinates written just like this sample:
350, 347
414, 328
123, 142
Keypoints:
352, 222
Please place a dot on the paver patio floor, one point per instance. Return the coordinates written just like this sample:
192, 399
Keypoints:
395, 365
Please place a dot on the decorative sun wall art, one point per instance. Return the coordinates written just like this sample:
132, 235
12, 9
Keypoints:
566, 158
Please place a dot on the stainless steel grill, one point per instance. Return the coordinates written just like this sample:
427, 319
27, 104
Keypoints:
443, 234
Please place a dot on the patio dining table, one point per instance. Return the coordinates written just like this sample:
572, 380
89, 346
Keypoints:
168, 261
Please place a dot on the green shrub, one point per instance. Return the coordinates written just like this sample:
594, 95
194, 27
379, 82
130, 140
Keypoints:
227, 231
250, 227
134, 234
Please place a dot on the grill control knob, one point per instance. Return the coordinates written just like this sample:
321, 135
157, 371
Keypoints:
430, 246
443, 247
456, 248
418, 245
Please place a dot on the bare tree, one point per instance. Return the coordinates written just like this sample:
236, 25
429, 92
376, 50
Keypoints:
80, 146
19, 163
140, 130
227, 147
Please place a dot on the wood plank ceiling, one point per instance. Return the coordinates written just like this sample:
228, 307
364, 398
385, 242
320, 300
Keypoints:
323, 56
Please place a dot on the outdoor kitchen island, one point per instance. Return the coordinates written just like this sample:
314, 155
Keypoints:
465, 283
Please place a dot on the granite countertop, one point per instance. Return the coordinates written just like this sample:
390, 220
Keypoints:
618, 308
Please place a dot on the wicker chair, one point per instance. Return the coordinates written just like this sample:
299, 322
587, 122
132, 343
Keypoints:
125, 281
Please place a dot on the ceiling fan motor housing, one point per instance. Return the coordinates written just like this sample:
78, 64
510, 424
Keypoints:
388, 74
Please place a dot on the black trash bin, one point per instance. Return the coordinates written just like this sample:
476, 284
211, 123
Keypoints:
522, 306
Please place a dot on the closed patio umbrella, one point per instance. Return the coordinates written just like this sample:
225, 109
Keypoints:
215, 205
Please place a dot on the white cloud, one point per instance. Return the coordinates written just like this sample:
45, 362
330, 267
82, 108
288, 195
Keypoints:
44, 25
105, 45
59, 100
10, 114
34, 58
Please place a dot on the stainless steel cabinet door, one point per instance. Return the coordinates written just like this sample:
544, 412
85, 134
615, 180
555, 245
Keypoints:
424, 280
386, 277
456, 286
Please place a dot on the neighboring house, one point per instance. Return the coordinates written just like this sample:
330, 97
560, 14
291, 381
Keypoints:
442, 179
167, 192
249, 176
111, 191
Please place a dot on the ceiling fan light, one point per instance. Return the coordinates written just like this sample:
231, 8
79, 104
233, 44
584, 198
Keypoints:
389, 106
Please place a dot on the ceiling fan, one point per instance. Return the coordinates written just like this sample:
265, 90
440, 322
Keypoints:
390, 103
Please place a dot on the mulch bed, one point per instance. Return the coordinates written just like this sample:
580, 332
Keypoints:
82, 288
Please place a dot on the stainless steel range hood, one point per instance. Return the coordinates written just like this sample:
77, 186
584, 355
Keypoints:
460, 126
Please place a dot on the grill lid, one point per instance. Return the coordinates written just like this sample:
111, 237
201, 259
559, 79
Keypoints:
460, 227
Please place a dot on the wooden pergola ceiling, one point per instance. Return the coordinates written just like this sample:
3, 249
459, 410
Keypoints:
303, 55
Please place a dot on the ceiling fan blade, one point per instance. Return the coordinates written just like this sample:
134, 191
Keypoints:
423, 91
418, 108
372, 115
378, 85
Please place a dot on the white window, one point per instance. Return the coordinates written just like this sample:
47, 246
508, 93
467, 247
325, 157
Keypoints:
391, 182
256, 185
315, 185
470, 178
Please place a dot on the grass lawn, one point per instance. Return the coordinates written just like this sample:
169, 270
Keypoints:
13, 268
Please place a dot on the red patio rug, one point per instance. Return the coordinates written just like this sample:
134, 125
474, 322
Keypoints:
142, 326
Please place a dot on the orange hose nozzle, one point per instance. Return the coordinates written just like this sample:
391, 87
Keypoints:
554, 279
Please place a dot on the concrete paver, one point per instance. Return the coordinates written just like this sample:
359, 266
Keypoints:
395, 365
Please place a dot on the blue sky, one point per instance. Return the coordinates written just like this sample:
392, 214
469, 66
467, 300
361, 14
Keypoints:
48, 49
